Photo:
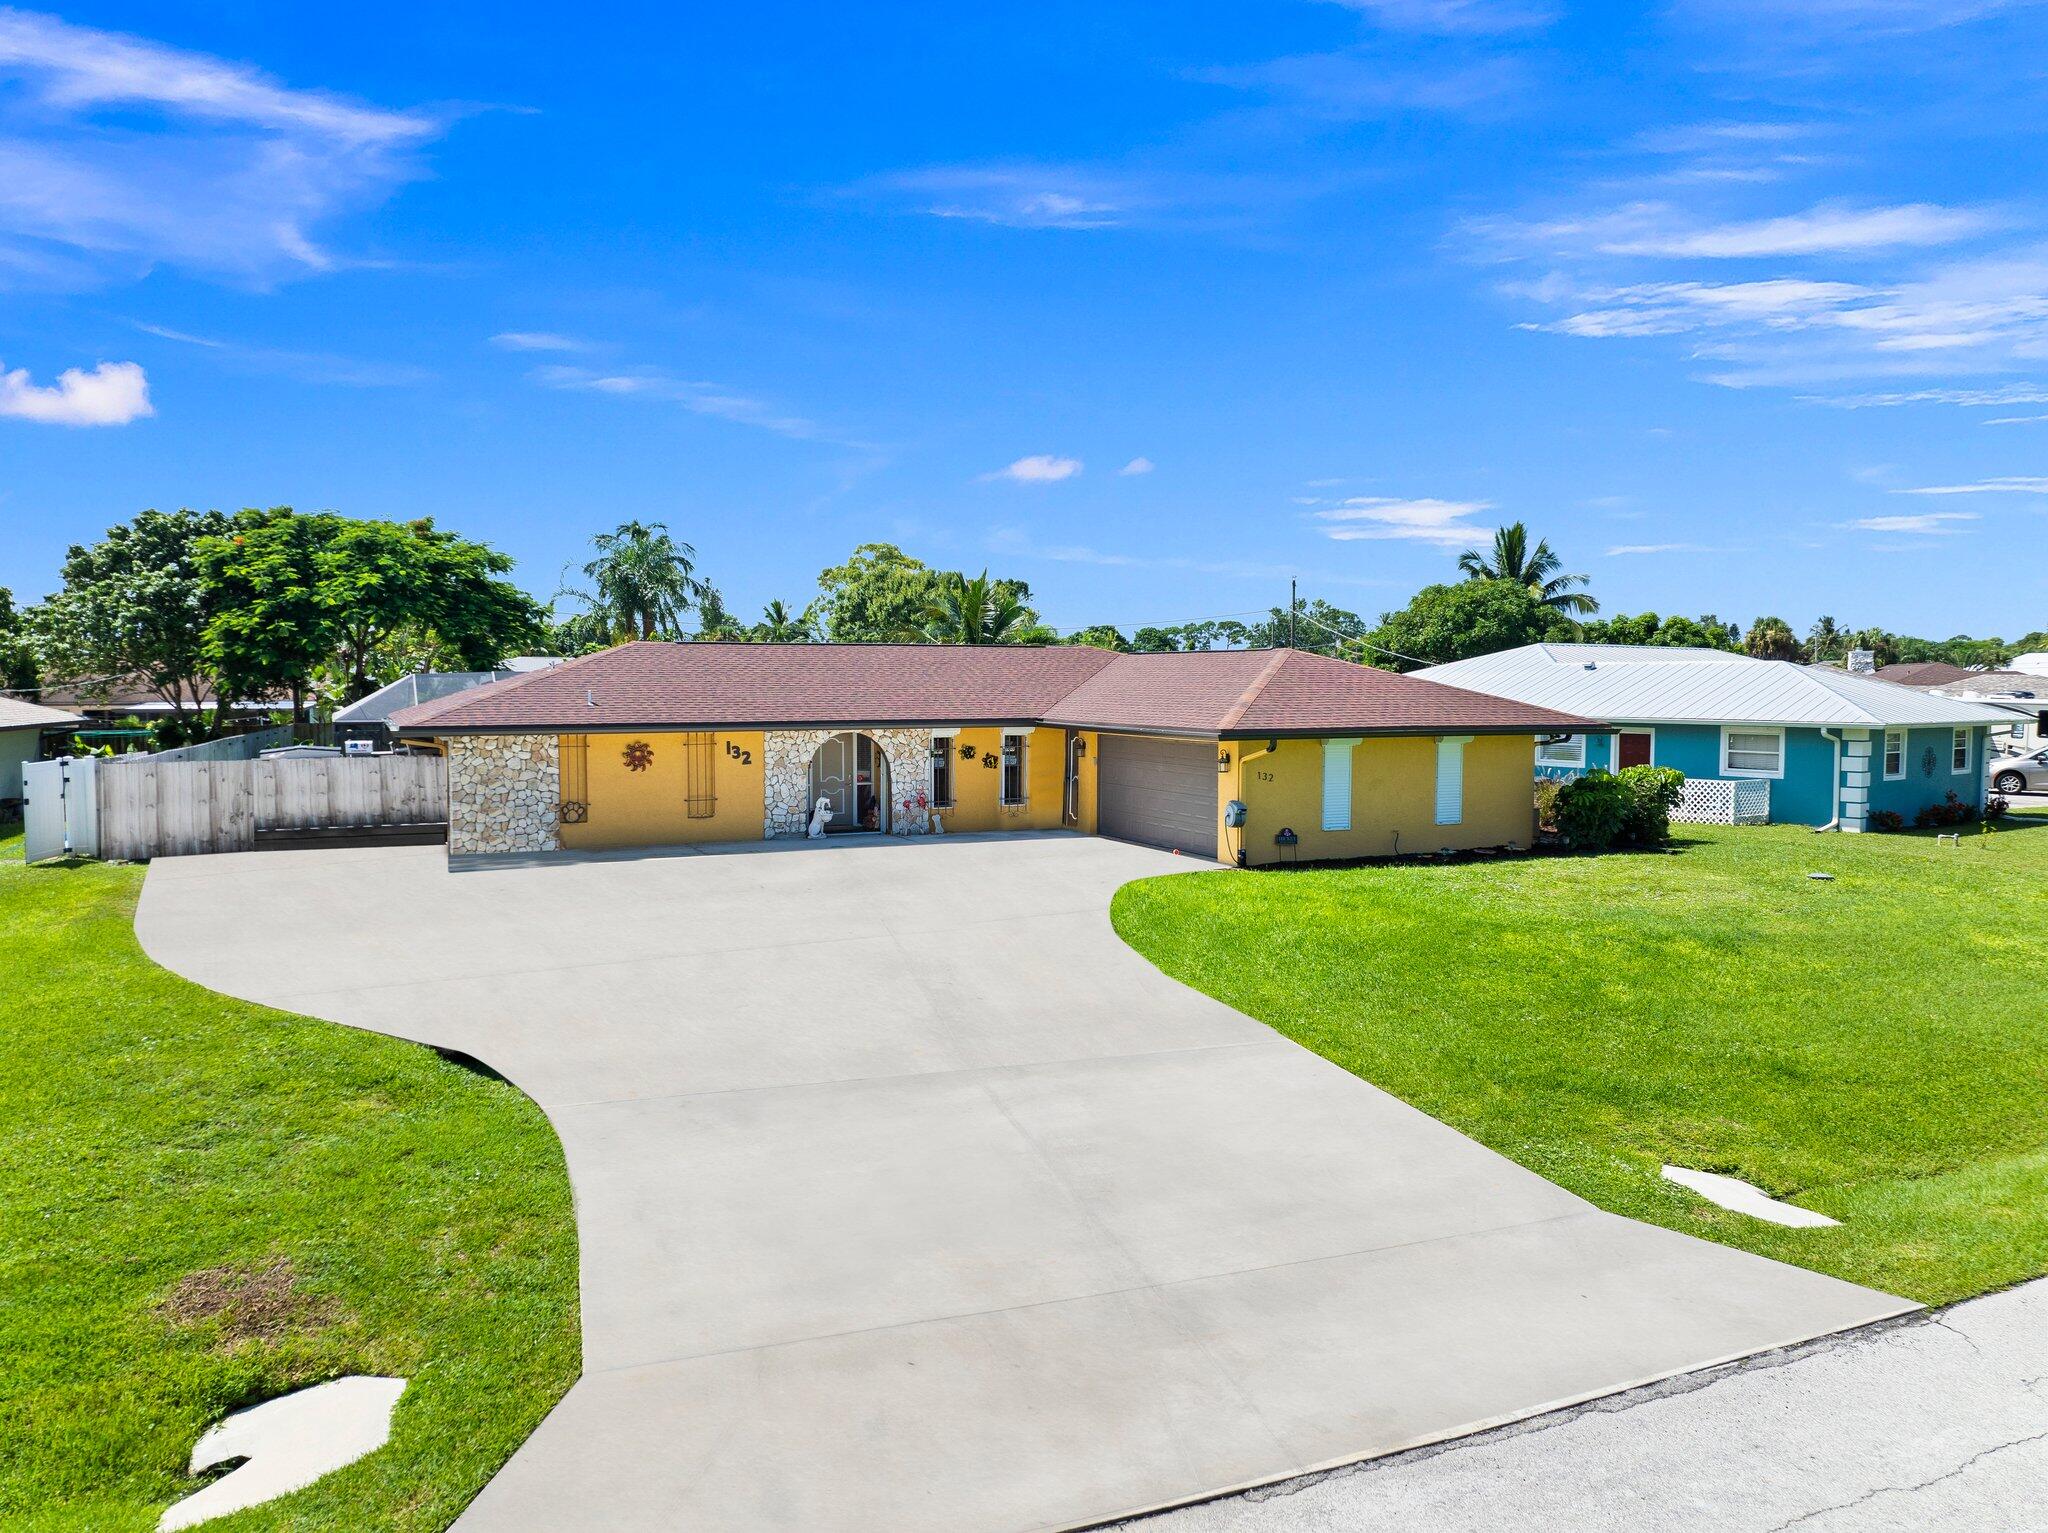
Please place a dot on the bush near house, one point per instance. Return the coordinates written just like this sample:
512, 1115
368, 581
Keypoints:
209, 1203
1950, 811
1652, 793
1598, 809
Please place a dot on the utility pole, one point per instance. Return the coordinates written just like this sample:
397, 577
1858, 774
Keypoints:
1293, 601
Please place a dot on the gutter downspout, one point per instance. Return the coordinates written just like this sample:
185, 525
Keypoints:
1836, 822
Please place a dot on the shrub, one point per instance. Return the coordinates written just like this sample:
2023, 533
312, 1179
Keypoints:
1950, 811
1547, 790
1996, 809
1652, 793
1592, 810
1885, 819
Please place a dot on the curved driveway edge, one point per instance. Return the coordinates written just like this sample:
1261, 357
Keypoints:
910, 1198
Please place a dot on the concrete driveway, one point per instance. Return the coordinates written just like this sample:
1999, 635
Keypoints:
911, 1199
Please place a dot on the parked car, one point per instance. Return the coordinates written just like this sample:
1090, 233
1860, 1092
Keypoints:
2020, 774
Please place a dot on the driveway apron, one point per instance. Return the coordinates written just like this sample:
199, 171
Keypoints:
910, 1198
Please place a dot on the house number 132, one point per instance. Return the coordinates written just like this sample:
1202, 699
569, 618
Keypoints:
744, 758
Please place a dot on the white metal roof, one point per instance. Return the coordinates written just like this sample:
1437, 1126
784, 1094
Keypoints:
16, 714
408, 690
1646, 684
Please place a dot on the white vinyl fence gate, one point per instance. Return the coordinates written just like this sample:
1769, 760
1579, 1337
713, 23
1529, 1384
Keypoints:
62, 816
132, 810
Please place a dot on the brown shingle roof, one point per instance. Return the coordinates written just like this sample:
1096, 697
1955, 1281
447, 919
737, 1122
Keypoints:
1924, 673
1248, 693
738, 686
732, 686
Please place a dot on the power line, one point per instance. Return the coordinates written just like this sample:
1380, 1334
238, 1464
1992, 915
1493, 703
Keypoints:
1348, 638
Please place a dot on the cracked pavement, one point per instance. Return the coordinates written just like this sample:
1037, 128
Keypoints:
1938, 1421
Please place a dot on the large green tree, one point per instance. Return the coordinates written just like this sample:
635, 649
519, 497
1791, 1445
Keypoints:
643, 581
1772, 638
381, 581
1317, 625
270, 628
1703, 632
133, 610
17, 650
1212, 633
879, 594
1512, 558
714, 622
883, 595
1099, 636
1443, 623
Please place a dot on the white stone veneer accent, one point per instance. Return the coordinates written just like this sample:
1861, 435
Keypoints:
786, 756
504, 793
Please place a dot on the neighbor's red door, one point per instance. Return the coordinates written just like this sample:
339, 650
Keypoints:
1632, 749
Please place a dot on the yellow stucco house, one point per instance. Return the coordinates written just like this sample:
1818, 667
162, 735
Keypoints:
1247, 756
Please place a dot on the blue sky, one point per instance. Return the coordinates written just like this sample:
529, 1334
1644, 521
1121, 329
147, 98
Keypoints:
1742, 303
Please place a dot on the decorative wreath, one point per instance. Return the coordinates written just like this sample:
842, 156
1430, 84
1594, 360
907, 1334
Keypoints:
574, 813
638, 756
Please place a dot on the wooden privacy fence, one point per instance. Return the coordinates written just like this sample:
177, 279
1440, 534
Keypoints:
176, 808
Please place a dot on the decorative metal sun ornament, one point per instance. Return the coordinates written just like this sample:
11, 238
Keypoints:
638, 756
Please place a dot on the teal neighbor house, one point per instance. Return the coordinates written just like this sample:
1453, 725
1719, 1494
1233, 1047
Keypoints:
1811, 745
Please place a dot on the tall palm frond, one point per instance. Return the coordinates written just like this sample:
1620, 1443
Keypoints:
1511, 558
974, 611
645, 580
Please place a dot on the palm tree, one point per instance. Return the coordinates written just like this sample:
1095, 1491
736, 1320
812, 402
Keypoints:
1772, 638
977, 611
779, 625
645, 580
1536, 568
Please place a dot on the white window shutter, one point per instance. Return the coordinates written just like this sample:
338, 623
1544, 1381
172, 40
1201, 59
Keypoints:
1337, 784
1450, 779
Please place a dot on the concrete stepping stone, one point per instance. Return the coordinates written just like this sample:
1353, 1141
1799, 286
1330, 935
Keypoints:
1731, 1192
288, 1443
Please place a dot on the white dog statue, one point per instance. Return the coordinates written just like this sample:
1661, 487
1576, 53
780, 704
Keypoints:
821, 816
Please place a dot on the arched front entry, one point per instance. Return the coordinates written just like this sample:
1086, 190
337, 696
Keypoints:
852, 771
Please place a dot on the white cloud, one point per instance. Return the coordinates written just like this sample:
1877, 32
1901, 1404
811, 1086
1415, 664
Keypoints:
1424, 521
1041, 468
306, 366
1355, 84
1453, 15
1982, 314
536, 340
1137, 466
1829, 228
695, 395
2011, 485
1012, 543
1933, 524
2016, 420
1019, 196
2009, 394
118, 153
112, 394
1624, 550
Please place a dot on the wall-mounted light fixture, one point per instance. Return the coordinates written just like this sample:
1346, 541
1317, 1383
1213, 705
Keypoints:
1223, 761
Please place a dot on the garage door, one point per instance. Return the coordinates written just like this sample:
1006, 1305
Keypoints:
1160, 792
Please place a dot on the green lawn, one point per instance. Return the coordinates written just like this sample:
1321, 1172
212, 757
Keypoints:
204, 1203
1875, 1047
